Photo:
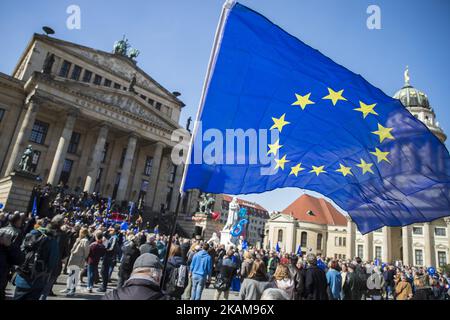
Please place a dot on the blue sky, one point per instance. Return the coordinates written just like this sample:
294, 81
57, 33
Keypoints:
175, 39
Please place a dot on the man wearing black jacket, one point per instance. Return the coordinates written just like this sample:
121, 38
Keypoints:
315, 280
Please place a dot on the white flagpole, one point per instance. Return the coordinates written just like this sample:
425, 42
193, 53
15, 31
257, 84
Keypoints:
227, 6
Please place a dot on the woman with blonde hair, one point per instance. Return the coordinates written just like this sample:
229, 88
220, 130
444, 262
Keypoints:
256, 282
77, 260
246, 265
282, 280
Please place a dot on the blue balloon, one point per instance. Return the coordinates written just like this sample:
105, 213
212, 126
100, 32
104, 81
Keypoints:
431, 271
238, 228
1, 205
242, 212
124, 226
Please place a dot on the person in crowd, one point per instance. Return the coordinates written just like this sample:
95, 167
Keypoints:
299, 280
246, 265
403, 289
130, 252
96, 251
225, 275
282, 280
274, 294
200, 269
389, 276
257, 281
10, 253
110, 257
334, 281
149, 246
315, 280
40, 248
272, 263
76, 261
143, 283
177, 273
346, 293
421, 291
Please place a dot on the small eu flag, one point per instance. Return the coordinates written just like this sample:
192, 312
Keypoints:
277, 248
299, 251
34, 210
330, 130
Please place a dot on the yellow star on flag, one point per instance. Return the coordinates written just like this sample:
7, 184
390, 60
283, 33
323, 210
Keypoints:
381, 155
303, 101
366, 109
296, 169
344, 170
366, 167
318, 170
279, 123
334, 96
281, 162
383, 133
273, 148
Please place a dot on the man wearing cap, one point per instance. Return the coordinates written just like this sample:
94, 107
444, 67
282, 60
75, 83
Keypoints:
143, 283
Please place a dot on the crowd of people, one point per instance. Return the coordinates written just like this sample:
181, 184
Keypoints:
81, 237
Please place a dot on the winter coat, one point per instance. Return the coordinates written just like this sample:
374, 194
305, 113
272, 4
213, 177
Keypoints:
287, 285
129, 255
79, 253
96, 251
315, 284
136, 288
299, 279
334, 281
425, 293
403, 290
227, 271
252, 289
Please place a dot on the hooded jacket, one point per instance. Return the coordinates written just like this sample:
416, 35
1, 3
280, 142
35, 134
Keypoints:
201, 264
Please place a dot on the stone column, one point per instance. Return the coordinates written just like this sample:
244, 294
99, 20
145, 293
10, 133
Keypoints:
428, 236
406, 244
153, 181
96, 159
447, 220
386, 253
351, 237
368, 247
126, 168
31, 109
161, 185
61, 149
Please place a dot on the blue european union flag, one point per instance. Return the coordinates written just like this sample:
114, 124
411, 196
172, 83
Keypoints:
299, 251
277, 248
335, 133
34, 210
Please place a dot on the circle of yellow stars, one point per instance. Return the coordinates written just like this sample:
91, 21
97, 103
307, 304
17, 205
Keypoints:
303, 101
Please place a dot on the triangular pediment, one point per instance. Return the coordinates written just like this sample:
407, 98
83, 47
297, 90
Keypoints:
279, 217
118, 65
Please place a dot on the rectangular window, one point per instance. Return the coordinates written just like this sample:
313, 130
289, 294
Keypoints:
173, 171
117, 86
97, 80
417, 230
378, 252
87, 76
107, 83
76, 72
442, 258
64, 71
144, 185
39, 132
97, 181
66, 170
360, 251
35, 160
418, 254
74, 142
151, 101
2, 114
116, 186
344, 241
169, 197
125, 88
148, 166
122, 157
143, 97
105, 152
340, 242
440, 232
158, 106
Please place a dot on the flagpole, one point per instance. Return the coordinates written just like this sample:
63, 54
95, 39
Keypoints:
227, 6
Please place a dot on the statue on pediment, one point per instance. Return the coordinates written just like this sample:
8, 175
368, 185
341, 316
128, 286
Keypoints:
134, 53
132, 84
121, 46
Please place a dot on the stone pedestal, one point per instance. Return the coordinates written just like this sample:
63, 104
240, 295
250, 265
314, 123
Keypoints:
227, 239
208, 225
16, 190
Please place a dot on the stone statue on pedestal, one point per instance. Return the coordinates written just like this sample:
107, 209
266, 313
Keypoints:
25, 160
214, 239
233, 213
206, 203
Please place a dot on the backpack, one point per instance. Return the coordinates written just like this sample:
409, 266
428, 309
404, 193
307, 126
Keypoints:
178, 281
34, 265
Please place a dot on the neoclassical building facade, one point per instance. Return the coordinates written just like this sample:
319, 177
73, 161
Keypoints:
95, 121
421, 244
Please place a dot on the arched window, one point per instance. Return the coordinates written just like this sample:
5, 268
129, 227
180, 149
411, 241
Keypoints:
319, 241
303, 239
280, 235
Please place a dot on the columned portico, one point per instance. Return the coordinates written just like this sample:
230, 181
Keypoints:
30, 111
126, 168
96, 159
61, 149
407, 245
